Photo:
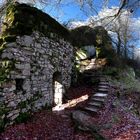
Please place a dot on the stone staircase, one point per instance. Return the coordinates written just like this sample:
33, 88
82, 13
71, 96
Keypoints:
96, 101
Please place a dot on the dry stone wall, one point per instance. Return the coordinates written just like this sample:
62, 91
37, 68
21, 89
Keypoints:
36, 58
29, 65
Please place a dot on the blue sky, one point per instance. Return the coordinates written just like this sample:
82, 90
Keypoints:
72, 11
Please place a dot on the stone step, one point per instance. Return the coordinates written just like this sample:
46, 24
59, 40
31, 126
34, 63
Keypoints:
89, 67
99, 94
103, 83
97, 99
102, 86
97, 104
92, 63
91, 108
91, 72
103, 80
92, 75
103, 90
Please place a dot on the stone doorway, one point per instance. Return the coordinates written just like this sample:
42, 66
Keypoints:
57, 89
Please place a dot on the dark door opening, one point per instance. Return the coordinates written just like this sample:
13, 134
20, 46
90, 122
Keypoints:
19, 84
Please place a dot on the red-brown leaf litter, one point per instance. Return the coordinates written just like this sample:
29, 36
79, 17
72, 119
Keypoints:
115, 121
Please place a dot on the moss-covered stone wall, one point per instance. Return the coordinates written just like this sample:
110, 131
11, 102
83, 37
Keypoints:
22, 19
97, 36
33, 48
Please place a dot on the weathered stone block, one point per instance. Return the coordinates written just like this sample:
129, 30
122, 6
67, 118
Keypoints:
15, 112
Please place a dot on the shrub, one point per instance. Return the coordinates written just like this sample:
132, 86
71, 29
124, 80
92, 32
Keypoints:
111, 71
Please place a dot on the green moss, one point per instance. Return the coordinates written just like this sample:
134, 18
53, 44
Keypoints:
114, 72
10, 8
1, 41
95, 81
23, 117
137, 71
5, 67
35, 97
9, 38
48, 107
3, 77
3, 110
98, 52
22, 19
115, 119
2, 125
124, 78
81, 54
2, 47
23, 104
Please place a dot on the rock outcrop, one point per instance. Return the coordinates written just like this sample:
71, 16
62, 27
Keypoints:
98, 37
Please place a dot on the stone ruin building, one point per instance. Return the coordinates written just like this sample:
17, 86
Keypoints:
36, 62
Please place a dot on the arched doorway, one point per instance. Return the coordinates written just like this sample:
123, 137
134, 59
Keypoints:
57, 88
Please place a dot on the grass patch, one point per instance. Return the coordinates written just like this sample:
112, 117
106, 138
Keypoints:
124, 79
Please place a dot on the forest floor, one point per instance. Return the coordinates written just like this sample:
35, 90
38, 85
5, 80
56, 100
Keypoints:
115, 121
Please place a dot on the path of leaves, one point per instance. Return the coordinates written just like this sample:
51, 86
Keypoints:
48, 125
115, 120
